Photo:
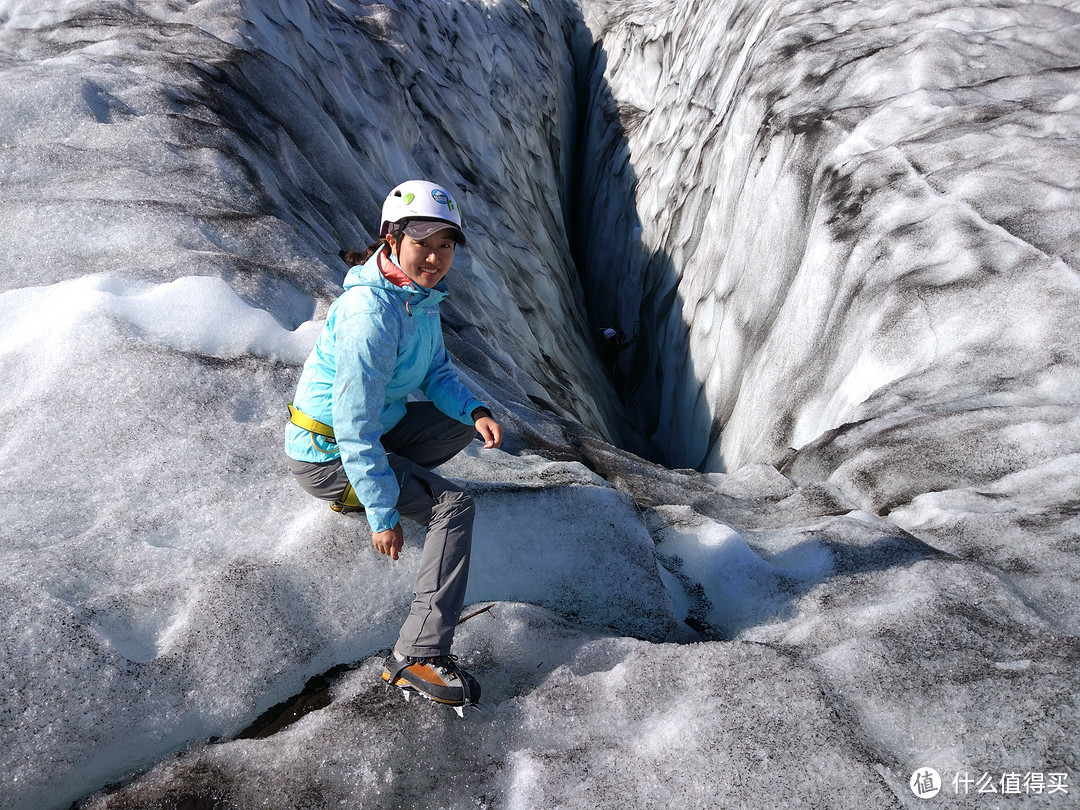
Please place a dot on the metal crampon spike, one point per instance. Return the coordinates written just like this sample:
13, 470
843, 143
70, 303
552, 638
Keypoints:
460, 711
405, 693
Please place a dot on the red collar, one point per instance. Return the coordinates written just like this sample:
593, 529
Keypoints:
391, 272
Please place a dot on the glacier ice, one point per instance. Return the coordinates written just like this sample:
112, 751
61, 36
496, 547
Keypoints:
846, 236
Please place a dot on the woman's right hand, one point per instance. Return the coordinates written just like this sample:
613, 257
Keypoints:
389, 542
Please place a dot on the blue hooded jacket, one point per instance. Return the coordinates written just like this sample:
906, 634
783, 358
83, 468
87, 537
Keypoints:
380, 343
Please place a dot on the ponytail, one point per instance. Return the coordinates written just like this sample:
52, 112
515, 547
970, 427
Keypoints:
358, 257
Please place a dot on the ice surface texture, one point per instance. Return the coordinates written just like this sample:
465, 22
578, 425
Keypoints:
849, 236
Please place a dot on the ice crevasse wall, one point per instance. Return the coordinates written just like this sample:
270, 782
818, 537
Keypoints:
851, 230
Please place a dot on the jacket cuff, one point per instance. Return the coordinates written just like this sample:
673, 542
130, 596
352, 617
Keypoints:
384, 523
480, 412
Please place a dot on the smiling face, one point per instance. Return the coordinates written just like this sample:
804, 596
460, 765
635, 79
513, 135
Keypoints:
425, 261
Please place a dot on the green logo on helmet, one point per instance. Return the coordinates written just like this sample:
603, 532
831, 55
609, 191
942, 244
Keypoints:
408, 198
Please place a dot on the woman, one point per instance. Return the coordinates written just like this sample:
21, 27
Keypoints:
353, 439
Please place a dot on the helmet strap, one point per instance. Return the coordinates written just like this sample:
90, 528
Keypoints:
397, 230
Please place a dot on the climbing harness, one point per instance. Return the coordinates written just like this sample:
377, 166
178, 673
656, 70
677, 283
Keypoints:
348, 502
302, 420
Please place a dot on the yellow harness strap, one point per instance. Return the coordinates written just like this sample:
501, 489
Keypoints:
348, 502
302, 420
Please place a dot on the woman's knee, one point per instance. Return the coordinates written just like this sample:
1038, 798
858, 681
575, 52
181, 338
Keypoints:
458, 437
460, 497
455, 502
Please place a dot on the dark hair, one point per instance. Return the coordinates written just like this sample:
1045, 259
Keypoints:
355, 257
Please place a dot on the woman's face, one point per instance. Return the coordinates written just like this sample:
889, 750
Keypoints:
425, 261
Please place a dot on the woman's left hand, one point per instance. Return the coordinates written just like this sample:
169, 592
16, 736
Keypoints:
490, 431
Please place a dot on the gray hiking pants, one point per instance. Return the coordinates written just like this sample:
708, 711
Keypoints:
422, 440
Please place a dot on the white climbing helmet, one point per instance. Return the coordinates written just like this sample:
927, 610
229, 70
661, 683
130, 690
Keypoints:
419, 199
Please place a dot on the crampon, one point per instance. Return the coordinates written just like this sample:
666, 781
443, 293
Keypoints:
439, 679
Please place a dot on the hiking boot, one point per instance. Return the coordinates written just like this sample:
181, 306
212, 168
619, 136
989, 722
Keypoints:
438, 678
